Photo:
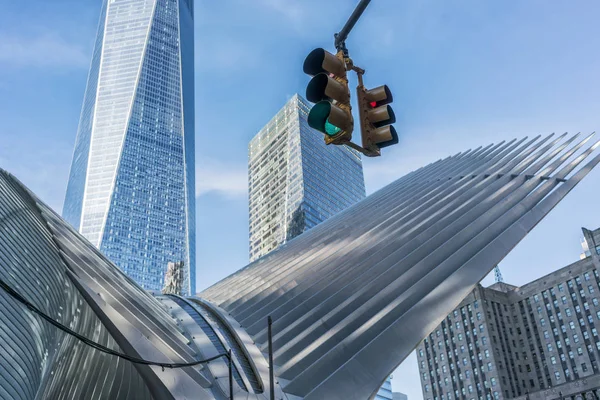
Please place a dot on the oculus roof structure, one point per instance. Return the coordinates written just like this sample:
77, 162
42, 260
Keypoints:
350, 299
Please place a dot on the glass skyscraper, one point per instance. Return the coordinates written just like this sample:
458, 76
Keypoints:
131, 185
296, 181
385, 393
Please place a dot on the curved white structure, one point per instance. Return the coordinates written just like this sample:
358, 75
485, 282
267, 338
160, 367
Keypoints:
350, 299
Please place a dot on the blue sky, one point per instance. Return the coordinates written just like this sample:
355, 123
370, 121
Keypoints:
464, 73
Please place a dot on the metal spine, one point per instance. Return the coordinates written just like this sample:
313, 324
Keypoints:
349, 299
344, 296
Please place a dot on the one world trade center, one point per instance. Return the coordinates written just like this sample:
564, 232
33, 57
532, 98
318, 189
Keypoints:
131, 184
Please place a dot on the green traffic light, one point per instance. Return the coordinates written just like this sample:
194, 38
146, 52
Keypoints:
331, 129
318, 118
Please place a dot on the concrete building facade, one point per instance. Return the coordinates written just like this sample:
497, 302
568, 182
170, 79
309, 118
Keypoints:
537, 341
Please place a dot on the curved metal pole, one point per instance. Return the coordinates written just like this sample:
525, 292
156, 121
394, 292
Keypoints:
341, 36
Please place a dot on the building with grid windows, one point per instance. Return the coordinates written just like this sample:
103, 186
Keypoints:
295, 181
131, 185
537, 341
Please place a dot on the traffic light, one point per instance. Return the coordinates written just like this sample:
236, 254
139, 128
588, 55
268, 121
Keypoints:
328, 88
375, 118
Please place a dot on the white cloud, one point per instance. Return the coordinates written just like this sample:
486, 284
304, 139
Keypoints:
225, 179
46, 50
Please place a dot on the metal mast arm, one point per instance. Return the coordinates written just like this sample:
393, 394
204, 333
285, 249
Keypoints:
340, 37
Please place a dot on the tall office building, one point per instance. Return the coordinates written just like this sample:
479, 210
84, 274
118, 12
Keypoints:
537, 341
131, 185
385, 392
399, 396
296, 181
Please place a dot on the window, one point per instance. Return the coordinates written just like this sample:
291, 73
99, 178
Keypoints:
546, 335
483, 340
478, 316
536, 298
591, 289
480, 327
543, 321
470, 388
549, 346
595, 301
575, 338
572, 325
564, 299
579, 351
557, 375
489, 366
584, 367
586, 306
553, 360
568, 312
586, 335
420, 353
493, 381
586, 276
561, 287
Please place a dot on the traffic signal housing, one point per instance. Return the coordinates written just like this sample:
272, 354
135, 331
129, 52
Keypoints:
376, 117
332, 113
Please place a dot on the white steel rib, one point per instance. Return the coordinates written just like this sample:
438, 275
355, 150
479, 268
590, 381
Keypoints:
350, 299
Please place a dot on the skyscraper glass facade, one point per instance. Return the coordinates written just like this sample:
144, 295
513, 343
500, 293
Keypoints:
131, 186
385, 392
296, 181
